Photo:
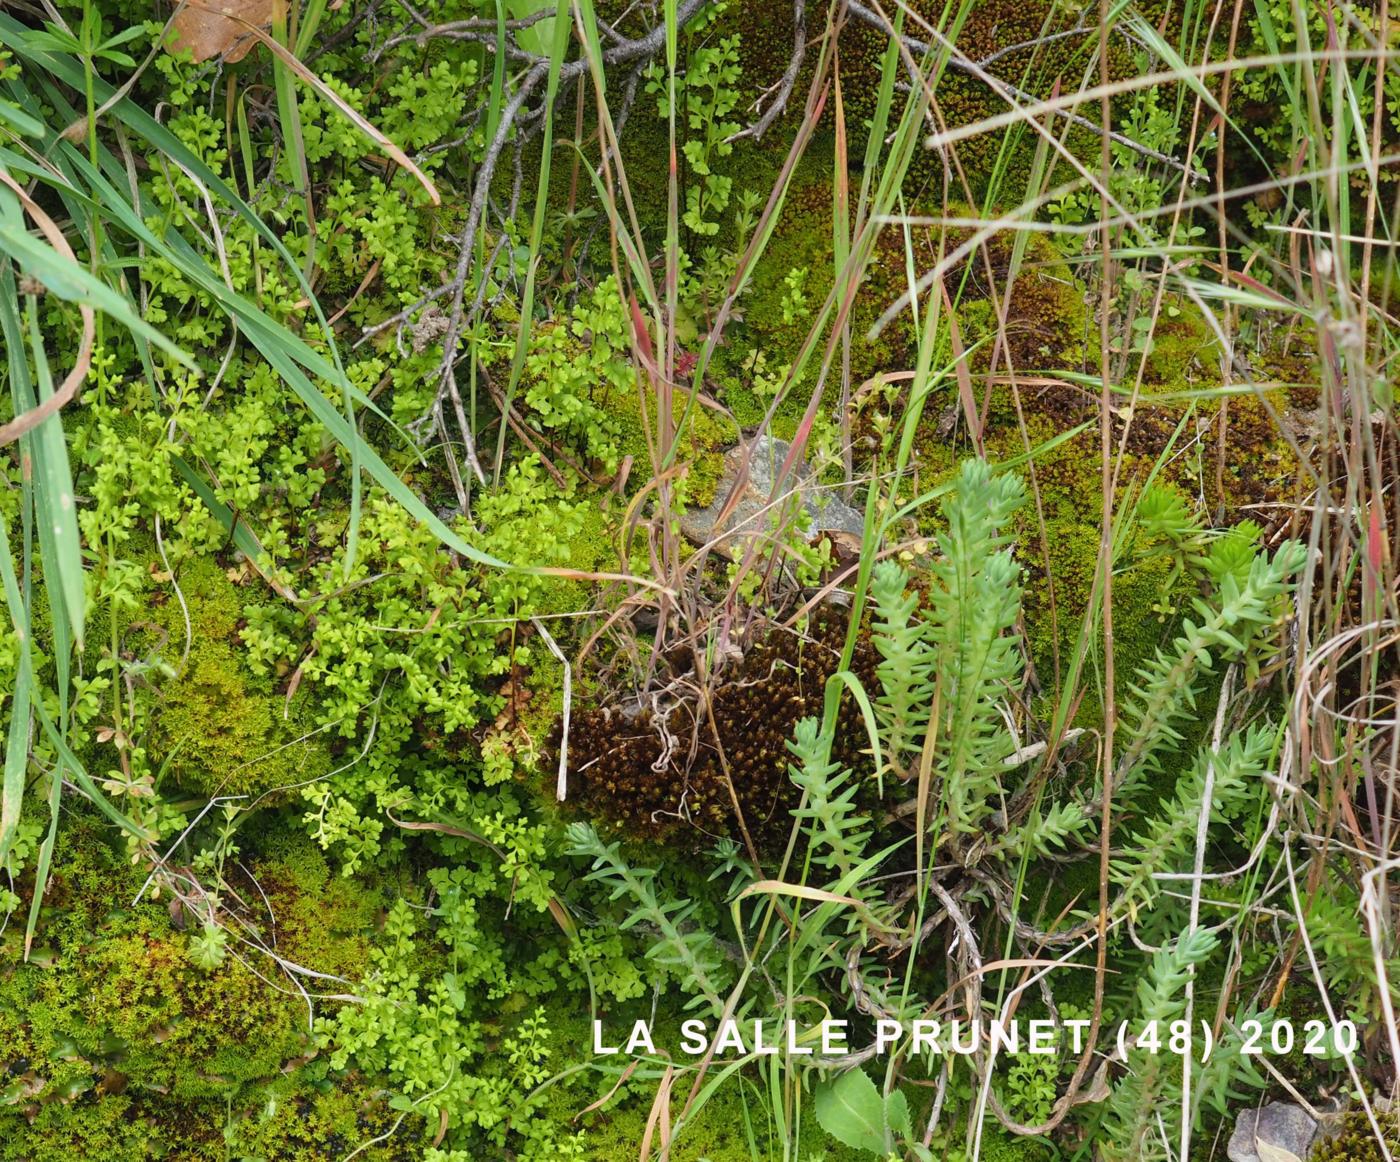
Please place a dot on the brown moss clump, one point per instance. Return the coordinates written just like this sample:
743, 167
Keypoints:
1047, 323
664, 778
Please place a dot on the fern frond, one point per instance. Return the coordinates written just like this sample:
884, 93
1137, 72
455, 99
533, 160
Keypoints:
901, 639
959, 656
976, 600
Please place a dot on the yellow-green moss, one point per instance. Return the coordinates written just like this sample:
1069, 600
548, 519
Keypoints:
322, 920
802, 239
318, 1118
217, 727
181, 1030
301, 1118
113, 1044
1185, 352
1355, 1141
703, 441
113, 993
116, 1127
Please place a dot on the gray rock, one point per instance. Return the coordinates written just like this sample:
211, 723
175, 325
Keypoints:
753, 515
1261, 1134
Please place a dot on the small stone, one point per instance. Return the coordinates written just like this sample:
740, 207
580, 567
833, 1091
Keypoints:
753, 514
1278, 1132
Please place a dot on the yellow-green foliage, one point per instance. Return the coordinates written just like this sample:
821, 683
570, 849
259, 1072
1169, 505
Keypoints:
306, 1117
1044, 328
581, 388
323, 920
1185, 352
220, 728
703, 441
646, 141
1047, 324
1260, 465
114, 1044
1355, 1141
118, 1126
761, 344
320, 1117
113, 991
1139, 628
171, 1025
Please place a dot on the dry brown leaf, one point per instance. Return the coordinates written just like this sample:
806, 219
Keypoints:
443, 1123
517, 700
219, 28
113, 1082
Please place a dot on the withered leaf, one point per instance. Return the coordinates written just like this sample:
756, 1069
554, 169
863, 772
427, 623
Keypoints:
219, 28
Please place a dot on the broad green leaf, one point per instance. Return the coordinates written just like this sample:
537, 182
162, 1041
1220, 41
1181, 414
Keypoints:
538, 37
850, 1109
897, 1114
